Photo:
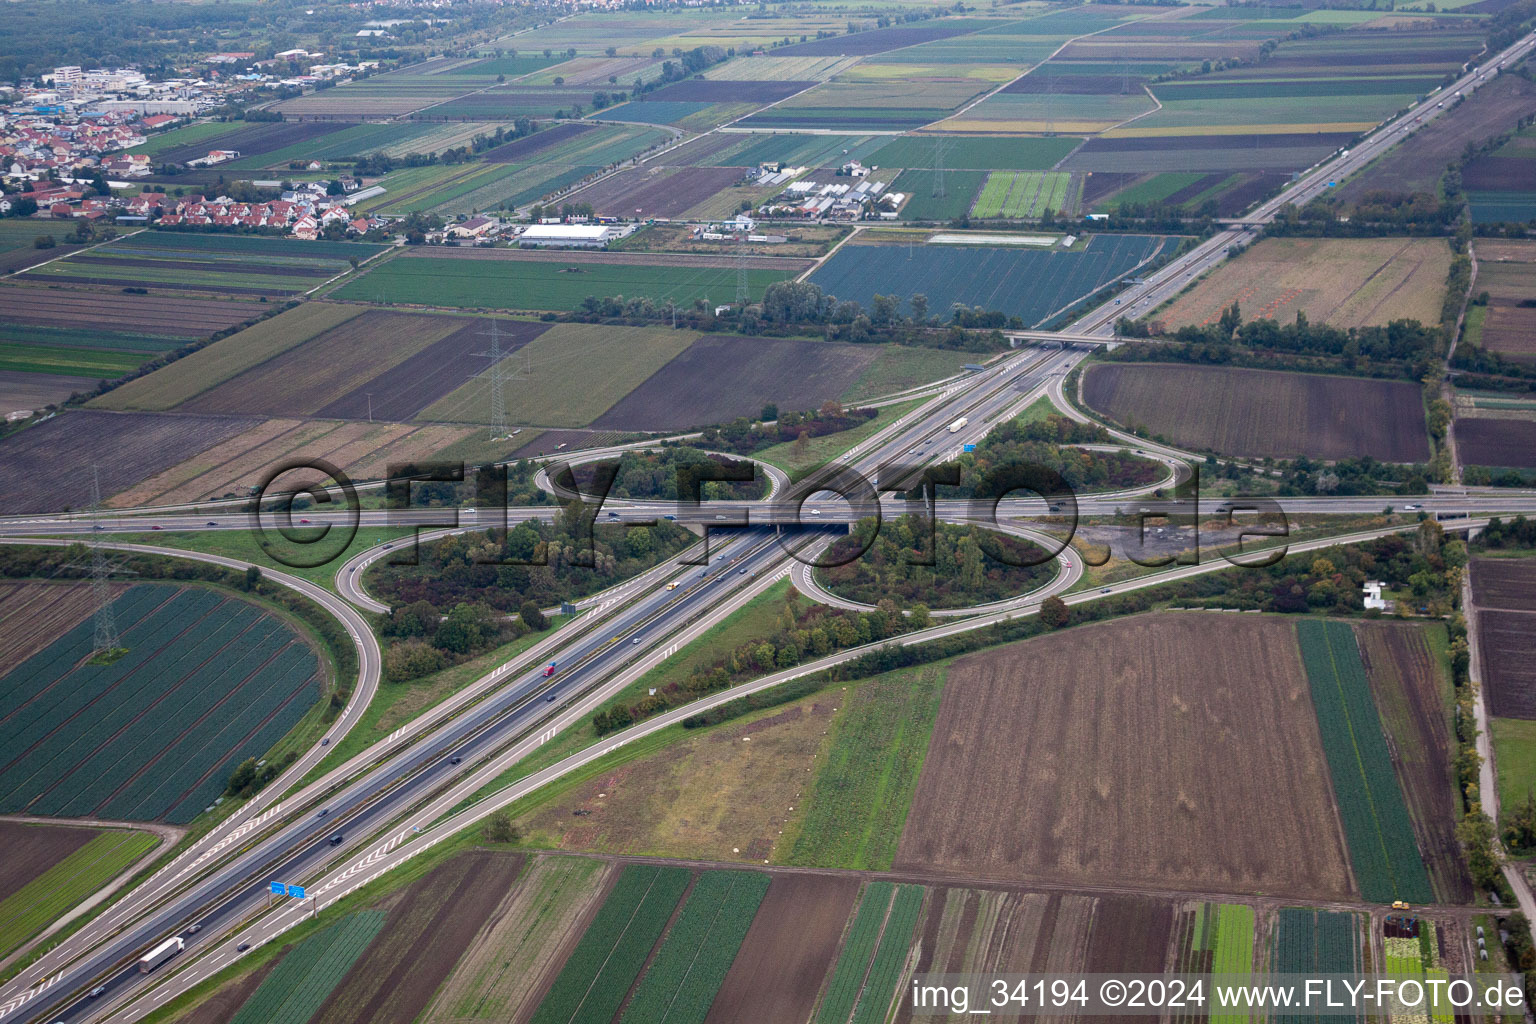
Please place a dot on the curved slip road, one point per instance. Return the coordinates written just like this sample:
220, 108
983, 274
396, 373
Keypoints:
436, 821
260, 808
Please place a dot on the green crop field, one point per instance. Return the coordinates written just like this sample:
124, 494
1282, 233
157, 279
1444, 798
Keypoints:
303, 979
228, 681
1377, 829
612, 951
216, 263
512, 67
885, 969
975, 153
682, 980
1514, 752
858, 950
188, 135
858, 804
1027, 194
48, 896
548, 384
959, 187
1032, 283
545, 284
76, 362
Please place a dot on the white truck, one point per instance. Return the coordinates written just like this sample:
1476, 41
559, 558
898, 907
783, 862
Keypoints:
959, 424
161, 953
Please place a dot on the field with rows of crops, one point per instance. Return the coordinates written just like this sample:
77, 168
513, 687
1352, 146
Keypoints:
1023, 195
207, 681
1382, 848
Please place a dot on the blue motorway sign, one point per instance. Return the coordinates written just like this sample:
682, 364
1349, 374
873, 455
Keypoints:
296, 891
278, 888
970, 447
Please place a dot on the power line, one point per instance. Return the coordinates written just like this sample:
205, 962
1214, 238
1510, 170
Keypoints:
939, 191
106, 636
497, 414
743, 293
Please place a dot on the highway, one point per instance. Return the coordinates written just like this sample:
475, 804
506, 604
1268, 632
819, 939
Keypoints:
237, 887
415, 783
300, 848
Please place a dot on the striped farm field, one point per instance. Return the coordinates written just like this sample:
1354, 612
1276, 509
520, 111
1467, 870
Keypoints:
191, 375
71, 879
612, 952
225, 264
305, 977
1377, 830
1308, 940
1023, 195
546, 284
681, 982
880, 983
208, 680
503, 966
858, 950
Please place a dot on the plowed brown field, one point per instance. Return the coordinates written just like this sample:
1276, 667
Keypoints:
33, 615
1152, 751
1504, 591
1508, 583
32, 849
787, 952
302, 380
422, 939
1264, 412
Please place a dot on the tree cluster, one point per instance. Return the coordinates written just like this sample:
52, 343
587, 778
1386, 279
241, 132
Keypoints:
462, 569
802, 630
970, 565
1041, 444
743, 436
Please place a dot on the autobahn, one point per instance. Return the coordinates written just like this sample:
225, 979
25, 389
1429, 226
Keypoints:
298, 848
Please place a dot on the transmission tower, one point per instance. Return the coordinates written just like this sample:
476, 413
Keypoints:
106, 638
498, 410
939, 191
743, 293
1050, 115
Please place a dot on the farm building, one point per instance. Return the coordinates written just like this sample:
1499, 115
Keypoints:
586, 236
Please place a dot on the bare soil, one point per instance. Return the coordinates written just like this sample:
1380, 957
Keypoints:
404, 390
720, 377
339, 362
43, 469
421, 941
788, 951
31, 850
666, 192
1508, 644
222, 1006
1151, 751
168, 315
1264, 412
1496, 442
33, 615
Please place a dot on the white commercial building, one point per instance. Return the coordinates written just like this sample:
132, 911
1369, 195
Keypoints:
590, 236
